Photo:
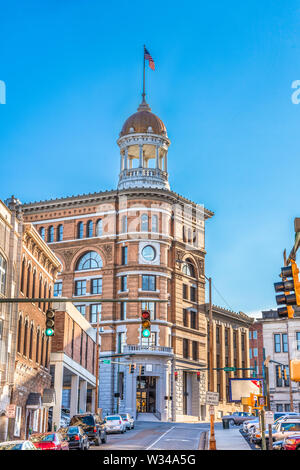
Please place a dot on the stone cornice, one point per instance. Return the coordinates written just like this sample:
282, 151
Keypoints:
230, 315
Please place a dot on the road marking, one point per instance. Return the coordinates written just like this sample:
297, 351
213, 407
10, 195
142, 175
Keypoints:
173, 427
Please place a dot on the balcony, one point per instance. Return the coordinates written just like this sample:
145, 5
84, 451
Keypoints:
151, 349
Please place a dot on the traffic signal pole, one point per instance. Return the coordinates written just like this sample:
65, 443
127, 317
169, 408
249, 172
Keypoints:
212, 439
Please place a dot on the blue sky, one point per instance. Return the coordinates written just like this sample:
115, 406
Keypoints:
222, 86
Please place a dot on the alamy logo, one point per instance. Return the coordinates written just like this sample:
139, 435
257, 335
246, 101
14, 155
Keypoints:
295, 95
2, 92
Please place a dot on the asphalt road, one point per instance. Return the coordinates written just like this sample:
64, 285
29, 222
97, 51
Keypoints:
156, 436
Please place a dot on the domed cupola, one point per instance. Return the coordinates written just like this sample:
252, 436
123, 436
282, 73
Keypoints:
144, 147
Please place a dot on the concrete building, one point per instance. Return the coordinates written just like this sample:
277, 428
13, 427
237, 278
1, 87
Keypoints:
72, 362
281, 338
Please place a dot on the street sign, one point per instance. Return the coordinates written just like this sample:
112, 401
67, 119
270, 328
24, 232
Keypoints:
11, 411
269, 417
212, 398
229, 369
106, 361
211, 410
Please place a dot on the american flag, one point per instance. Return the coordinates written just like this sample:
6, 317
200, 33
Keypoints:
148, 57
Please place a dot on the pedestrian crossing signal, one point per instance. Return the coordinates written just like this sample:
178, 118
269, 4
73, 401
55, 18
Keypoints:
132, 368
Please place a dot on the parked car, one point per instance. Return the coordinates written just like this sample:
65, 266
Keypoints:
77, 438
129, 421
237, 418
247, 425
92, 425
253, 427
17, 445
278, 445
283, 429
49, 441
292, 442
115, 423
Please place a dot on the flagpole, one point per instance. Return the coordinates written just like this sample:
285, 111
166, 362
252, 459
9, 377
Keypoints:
144, 94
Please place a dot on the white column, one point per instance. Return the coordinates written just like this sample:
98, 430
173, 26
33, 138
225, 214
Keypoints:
82, 396
141, 156
58, 386
166, 161
157, 156
126, 159
74, 395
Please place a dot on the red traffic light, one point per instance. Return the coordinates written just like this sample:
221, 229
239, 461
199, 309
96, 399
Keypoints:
176, 375
146, 315
198, 376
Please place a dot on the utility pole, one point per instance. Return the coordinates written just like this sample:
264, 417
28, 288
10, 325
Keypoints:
212, 439
266, 368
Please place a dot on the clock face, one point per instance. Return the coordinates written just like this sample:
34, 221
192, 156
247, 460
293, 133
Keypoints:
148, 253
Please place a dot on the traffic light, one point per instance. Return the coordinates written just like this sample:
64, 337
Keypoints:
132, 368
176, 376
198, 376
142, 370
290, 282
295, 370
50, 320
146, 324
249, 401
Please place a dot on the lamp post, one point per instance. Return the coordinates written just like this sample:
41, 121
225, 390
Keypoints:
212, 439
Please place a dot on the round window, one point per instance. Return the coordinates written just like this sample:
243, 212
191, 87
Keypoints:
148, 253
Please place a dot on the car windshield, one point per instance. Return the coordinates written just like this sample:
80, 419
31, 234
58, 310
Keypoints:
113, 418
10, 446
73, 430
291, 426
42, 437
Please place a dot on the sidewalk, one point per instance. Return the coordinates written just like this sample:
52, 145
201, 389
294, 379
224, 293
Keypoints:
230, 439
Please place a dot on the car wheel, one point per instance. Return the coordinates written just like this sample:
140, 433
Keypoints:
98, 441
104, 440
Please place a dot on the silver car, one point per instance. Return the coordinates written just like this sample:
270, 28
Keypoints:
129, 421
114, 423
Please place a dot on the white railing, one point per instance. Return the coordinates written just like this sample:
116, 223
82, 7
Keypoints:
151, 348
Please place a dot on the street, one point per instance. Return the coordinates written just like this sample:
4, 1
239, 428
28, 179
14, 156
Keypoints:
156, 436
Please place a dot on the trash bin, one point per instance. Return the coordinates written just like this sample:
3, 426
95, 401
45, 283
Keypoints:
225, 423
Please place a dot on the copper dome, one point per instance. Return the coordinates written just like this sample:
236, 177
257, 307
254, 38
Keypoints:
141, 121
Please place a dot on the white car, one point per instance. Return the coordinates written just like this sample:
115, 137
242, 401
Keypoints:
17, 445
129, 421
114, 423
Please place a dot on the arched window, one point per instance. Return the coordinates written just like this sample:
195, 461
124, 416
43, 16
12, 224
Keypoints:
37, 345
42, 348
28, 280
188, 269
30, 341
99, 228
184, 233
40, 291
80, 230
33, 284
90, 260
89, 229
51, 234
60, 232
124, 223
154, 223
42, 233
23, 276
45, 306
3, 267
19, 334
25, 338
144, 223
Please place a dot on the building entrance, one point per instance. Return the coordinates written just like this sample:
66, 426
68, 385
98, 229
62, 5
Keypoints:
146, 394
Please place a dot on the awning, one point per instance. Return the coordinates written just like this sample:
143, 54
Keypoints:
49, 397
34, 401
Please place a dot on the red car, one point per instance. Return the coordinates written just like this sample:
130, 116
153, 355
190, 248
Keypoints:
49, 441
292, 443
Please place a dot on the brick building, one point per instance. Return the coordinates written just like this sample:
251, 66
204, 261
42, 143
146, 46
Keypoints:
256, 345
10, 258
230, 349
72, 362
38, 270
141, 241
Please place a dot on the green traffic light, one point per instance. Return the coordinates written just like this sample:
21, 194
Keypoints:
146, 333
49, 332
